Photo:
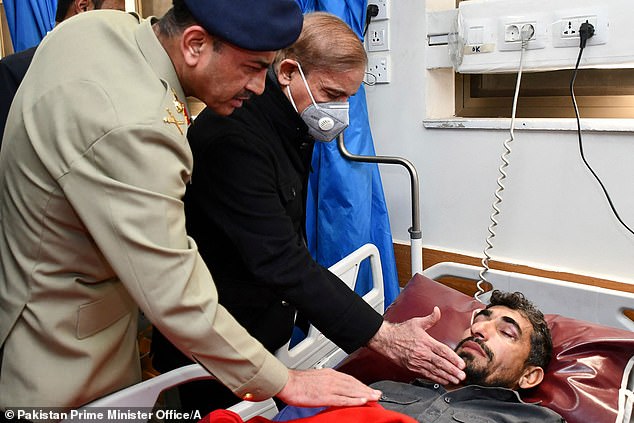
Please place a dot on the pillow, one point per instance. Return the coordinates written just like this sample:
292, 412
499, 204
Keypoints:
581, 383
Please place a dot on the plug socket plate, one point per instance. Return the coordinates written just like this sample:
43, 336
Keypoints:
510, 33
378, 36
565, 30
379, 66
384, 9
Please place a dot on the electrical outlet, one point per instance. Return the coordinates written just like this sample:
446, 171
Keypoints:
378, 36
379, 68
565, 31
384, 9
513, 32
511, 28
570, 26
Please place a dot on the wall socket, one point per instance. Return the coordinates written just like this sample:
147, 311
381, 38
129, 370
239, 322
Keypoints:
379, 69
569, 27
378, 36
566, 30
513, 32
384, 9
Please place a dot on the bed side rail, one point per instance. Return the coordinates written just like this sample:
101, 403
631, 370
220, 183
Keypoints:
585, 302
316, 351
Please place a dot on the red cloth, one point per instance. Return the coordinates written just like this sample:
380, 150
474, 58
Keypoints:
222, 416
371, 412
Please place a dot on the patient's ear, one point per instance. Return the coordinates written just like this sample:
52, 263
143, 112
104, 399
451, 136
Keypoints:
532, 376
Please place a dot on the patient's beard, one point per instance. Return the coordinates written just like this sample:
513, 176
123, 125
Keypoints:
481, 375
478, 375
474, 375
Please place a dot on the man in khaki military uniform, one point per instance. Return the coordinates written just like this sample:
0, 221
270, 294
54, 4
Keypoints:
92, 171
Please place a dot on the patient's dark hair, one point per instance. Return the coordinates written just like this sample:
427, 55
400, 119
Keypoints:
541, 340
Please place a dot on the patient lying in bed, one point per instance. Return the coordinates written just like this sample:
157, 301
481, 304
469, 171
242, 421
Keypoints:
589, 378
506, 348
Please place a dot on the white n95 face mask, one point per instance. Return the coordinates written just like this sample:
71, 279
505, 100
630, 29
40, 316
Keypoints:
325, 121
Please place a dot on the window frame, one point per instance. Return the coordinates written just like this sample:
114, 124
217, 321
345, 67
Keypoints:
560, 106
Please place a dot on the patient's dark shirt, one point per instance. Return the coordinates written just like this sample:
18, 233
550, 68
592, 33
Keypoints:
430, 402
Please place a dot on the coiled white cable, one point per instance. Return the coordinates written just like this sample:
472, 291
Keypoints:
525, 34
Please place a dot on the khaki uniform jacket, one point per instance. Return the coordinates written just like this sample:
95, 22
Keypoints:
92, 171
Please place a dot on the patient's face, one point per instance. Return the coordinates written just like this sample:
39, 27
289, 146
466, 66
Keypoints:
495, 347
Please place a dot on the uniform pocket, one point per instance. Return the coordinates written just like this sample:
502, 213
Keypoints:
96, 316
401, 399
396, 392
463, 417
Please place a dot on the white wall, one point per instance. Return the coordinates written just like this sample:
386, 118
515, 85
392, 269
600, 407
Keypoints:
554, 214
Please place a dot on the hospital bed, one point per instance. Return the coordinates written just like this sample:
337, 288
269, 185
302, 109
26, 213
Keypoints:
314, 351
591, 374
590, 377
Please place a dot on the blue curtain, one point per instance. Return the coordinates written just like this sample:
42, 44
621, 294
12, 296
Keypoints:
29, 21
346, 204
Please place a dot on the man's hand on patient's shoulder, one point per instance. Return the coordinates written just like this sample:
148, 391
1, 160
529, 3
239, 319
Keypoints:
409, 345
325, 387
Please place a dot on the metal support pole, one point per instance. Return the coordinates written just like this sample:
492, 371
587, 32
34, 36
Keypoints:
414, 231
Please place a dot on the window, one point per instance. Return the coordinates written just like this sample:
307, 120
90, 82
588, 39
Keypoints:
607, 93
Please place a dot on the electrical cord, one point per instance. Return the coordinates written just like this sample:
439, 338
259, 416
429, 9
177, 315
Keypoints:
525, 34
371, 12
367, 82
586, 31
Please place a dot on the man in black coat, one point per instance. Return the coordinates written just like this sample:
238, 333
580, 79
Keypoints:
12, 70
245, 208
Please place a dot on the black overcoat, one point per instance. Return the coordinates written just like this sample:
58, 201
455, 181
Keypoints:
245, 208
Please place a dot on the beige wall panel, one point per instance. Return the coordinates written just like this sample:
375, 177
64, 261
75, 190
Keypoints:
6, 47
154, 7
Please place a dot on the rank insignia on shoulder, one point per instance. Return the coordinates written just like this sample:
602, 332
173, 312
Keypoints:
181, 110
171, 119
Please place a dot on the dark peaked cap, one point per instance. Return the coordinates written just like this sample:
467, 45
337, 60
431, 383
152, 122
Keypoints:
258, 25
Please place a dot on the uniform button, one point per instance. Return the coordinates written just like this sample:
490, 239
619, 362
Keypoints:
284, 303
293, 192
447, 400
248, 396
436, 386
